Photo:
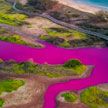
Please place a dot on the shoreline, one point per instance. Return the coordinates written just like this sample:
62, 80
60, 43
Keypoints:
80, 6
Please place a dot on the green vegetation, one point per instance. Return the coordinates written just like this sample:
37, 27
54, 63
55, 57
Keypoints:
72, 63
29, 67
71, 38
65, 44
65, 33
1, 102
51, 71
76, 65
10, 85
50, 74
16, 39
69, 97
8, 16
62, 37
24, 67
12, 19
5, 7
95, 97
8, 36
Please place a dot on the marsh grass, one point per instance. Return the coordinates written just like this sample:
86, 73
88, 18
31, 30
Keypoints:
51, 71
95, 97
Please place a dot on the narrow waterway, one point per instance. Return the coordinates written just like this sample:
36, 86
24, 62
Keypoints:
54, 55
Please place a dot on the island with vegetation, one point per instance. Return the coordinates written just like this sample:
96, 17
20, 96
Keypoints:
70, 68
92, 97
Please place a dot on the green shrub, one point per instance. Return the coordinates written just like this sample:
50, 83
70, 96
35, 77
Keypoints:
72, 63
13, 38
12, 19
65, 44
16, 39
25, 67
1, 103
9, 85
69, 97
61, 32
45, 69
43, 37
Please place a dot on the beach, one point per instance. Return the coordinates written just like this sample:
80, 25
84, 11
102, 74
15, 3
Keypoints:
80, 6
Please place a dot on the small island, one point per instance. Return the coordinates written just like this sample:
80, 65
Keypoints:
92, 97
72, 68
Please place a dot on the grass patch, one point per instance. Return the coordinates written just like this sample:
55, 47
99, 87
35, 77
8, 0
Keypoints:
95, 97
51, 71
5, 7
65, 33
12, 19
71, 38
80, 69
76, 65
16, 39
63, 37
50, 74
8, 16
69, 97
1, 103
10, 85
65, 44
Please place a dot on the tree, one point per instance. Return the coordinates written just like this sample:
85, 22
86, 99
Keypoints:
72, 63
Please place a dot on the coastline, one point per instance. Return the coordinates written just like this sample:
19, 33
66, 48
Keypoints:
80, 6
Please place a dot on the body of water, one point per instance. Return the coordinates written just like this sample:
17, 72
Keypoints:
98, 3
54, 55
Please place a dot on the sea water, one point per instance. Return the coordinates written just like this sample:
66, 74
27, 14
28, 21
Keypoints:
98, 3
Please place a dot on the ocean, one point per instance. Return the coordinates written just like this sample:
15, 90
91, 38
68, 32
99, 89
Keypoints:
98, 3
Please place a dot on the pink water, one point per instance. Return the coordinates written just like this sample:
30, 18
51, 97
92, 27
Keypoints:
54, 55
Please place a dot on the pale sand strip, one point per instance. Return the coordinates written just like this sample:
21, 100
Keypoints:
80, 6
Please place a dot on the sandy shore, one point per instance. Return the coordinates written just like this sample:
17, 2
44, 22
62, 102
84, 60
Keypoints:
79, 6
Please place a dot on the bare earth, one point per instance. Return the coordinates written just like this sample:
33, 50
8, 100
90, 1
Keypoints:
71, 105
37, 25
23, 2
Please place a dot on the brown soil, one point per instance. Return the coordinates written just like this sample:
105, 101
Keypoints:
71, 105
37, 26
